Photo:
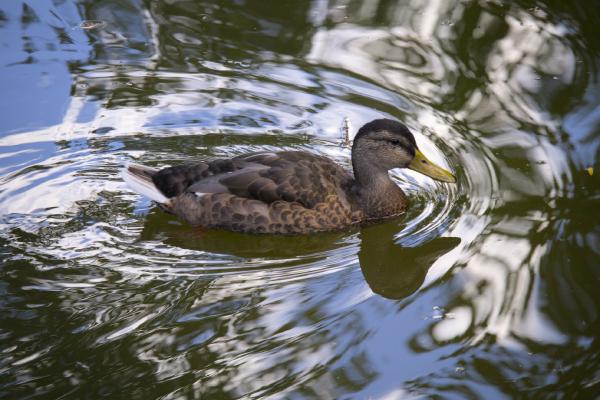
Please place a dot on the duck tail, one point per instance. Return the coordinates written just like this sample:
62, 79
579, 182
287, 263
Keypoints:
139, 178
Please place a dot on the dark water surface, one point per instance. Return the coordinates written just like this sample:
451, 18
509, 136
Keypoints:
489, 288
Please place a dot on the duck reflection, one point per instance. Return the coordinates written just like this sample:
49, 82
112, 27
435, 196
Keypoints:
390, 269
168, 230
394, 271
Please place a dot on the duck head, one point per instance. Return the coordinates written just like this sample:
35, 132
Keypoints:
385, 144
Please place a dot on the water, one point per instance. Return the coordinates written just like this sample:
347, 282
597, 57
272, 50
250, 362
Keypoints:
485, 289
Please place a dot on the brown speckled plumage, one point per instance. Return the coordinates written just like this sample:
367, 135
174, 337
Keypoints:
289, 192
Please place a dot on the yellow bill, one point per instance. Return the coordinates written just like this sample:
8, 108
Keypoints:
421, 164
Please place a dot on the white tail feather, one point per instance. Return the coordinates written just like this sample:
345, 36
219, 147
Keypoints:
143, 187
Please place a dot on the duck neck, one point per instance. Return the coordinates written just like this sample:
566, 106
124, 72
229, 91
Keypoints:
378, 195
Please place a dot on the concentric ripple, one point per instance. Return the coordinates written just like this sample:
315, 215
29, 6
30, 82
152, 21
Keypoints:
483, 289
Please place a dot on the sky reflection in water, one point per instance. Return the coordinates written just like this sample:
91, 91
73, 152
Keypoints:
485, 289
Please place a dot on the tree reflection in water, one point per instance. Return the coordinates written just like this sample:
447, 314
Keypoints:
100, 297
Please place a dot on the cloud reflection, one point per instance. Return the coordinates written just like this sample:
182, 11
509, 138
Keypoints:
505, 93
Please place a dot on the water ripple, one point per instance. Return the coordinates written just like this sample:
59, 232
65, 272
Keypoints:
484, 288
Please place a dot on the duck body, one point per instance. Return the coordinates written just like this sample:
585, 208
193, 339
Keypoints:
285, 192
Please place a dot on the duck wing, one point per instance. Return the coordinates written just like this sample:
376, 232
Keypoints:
290, 176
285, 192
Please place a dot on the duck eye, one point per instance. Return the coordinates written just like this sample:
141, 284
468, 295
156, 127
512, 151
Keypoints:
396, 142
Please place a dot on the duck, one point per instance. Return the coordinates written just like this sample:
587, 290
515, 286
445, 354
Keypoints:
291, 192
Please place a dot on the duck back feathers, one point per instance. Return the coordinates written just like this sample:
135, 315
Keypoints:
288, 192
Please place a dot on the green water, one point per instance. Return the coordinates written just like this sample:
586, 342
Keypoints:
485, 289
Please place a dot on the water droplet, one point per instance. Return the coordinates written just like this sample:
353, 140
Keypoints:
82, 365
346, 129
103, 129
92, 24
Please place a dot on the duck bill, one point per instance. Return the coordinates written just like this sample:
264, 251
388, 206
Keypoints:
421, 164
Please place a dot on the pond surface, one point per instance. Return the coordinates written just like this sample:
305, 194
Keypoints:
484, 289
